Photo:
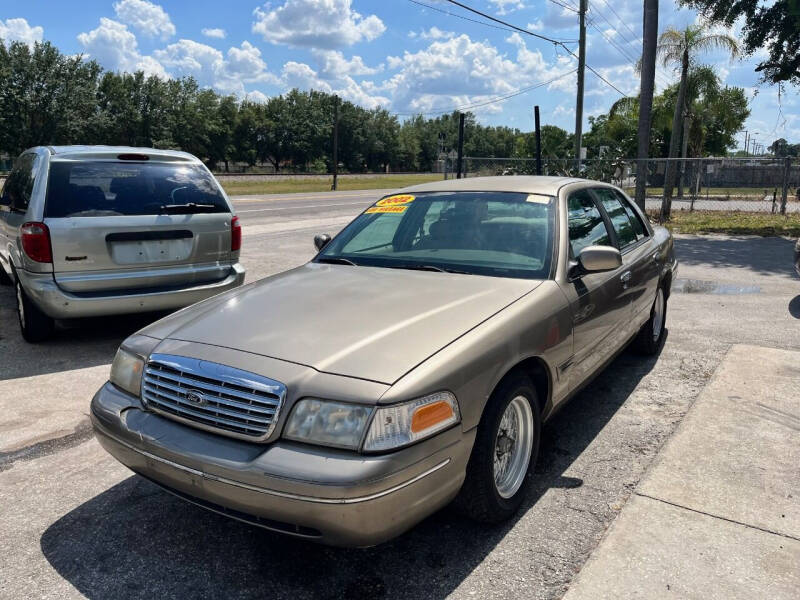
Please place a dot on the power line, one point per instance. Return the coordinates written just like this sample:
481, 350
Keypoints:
621, 20
536, 35
502, 98
452, 14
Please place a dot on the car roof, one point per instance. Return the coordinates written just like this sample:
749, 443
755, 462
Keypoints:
112, 152
528, 184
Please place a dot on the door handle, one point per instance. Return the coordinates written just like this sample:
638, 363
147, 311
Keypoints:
625, 277
655, 256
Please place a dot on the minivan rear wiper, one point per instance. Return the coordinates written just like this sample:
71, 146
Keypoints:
189, 208
336, 260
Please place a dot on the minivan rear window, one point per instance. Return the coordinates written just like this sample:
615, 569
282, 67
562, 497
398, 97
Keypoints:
98, 189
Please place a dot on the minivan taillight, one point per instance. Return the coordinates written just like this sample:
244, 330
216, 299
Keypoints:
36, 242
236, 234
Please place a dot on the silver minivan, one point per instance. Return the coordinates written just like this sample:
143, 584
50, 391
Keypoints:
99, 230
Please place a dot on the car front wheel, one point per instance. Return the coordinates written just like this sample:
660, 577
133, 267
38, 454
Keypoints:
505, 450
35, 325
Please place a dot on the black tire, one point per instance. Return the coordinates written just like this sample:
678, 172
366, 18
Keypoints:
479, 497
34, 324
4, 278
649, 341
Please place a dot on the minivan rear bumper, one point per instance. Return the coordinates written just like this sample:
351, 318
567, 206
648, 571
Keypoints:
60, 304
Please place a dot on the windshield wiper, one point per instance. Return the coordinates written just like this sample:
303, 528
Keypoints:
189, 208
417, 267
336, 260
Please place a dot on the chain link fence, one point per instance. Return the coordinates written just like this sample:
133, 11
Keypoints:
702, 184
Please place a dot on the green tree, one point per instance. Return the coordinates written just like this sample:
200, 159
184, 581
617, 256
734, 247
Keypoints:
681, 48
774, 26
45, 96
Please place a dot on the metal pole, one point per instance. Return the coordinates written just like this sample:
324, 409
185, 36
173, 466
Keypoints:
745, 142
460, 144
538, 141
581, 69
335, 142
785, 193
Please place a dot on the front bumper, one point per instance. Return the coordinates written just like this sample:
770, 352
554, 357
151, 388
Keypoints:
327, 495
60, 304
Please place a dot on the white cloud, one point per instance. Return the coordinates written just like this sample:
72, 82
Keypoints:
325, 24
506, 6
18, 30
333, 65
227, 72
434, 33
145, 17
256, 96
214, 33
116, 48
460, 71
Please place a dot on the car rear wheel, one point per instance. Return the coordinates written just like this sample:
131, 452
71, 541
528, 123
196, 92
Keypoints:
651, 335
35, 325
505, 450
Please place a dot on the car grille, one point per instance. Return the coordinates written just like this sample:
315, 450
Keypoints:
212, 396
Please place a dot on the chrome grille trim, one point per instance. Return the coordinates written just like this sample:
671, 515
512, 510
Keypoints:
229, 401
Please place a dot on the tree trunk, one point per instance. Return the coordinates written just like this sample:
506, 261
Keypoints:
647, 85
674, 141
684, 147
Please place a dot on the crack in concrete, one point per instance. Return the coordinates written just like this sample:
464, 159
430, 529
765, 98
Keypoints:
713, 516
82, 432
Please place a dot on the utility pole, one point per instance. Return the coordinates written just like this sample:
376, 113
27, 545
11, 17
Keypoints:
460, 144
335, 142
538, 141
646, 88
745, 142
581, 69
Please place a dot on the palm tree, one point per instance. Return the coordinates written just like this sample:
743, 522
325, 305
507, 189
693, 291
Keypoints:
682, 47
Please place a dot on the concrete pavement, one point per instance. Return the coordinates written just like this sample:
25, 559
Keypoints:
718, 515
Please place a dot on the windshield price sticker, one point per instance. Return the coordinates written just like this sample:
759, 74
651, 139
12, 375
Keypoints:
395, 200
397, 210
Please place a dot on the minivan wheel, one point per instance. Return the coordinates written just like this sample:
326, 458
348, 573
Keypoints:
651, 335
34, 324
4, 277
505, 451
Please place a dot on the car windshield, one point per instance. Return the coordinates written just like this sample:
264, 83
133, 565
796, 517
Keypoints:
96, 189
503, 234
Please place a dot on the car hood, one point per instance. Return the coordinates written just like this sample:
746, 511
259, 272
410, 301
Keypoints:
365, 322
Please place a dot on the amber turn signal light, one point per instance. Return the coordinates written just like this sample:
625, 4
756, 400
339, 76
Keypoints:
429, 415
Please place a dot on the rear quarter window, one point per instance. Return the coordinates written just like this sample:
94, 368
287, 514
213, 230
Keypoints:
90, 189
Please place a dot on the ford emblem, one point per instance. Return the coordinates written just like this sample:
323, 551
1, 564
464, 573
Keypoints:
196, 397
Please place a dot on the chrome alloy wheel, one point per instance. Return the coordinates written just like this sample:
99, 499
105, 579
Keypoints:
513, 444
658, 314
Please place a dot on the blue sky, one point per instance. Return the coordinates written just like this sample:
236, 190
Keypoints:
392, 53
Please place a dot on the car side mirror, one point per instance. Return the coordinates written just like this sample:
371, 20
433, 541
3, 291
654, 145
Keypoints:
595, 259
321, 240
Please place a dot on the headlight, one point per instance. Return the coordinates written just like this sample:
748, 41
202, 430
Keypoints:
327, 423
403, 424
126, 371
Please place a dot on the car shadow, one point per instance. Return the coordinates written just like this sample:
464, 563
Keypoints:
135, 540
75, 343
763, 255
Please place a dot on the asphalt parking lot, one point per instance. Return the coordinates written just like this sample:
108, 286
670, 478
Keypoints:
75, 523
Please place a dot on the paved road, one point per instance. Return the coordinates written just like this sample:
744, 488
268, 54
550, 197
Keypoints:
73, 522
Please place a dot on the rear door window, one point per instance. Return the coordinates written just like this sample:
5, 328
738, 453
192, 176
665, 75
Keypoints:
96, 189
586, 224
626, 234
19, 186
636, 221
